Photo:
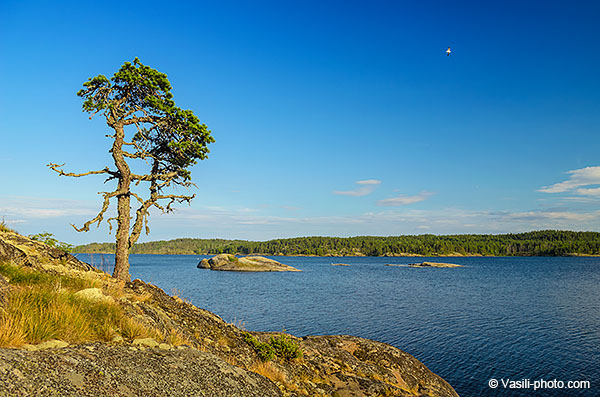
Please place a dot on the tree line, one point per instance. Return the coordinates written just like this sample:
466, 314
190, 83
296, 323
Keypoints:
536, 243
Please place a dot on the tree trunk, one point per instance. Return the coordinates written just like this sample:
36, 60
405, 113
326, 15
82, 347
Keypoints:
121, 271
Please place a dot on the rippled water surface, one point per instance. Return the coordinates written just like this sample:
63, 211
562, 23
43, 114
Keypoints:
518, 318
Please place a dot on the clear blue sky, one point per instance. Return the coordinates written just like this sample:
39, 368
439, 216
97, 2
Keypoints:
330, 118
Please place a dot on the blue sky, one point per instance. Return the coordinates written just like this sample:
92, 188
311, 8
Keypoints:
330, 118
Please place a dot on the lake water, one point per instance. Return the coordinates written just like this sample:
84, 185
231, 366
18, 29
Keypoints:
503, 318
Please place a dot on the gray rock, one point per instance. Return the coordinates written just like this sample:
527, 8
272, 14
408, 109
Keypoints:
94, 295
117, 339
51, 344
150, 342
117, 371
228, 262
204, 264
433, 264
26, 252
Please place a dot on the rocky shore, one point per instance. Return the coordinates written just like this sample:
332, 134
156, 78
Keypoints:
193, 352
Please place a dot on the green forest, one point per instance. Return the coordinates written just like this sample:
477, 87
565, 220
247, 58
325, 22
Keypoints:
536, 243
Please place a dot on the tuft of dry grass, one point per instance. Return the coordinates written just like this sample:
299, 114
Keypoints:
11, 335
267, 370
176, 338
239, 324
132, 329
143, 297
116, 289
4, 227
231, 360
225, 341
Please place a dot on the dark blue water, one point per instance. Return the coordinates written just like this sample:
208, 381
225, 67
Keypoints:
502, 318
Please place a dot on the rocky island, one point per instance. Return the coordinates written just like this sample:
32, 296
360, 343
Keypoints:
434, 264
132, 339
232, 263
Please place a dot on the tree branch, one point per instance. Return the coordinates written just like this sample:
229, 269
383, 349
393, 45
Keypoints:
144, 119
56, 168
167, 176
100, 216
133, 155
142, 212
175, 198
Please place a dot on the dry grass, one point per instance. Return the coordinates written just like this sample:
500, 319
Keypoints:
10, 334
114, 288
44, 306
132, 329
38, 314
231, 360
176, 338
143, 297
239, 324
176, 294
267, 370
105, 331
4, 227
27, 277
225, 341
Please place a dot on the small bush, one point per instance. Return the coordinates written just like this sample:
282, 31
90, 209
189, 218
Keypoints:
264, 350
48, 239
283, 347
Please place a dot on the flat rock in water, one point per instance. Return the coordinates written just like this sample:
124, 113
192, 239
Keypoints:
228, 262
434, 264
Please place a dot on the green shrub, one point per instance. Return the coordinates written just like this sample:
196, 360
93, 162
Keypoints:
264, 350
48, 239
283, 347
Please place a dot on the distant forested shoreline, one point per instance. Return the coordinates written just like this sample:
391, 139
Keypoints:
536, 243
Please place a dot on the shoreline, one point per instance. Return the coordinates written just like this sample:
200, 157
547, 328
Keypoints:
152, 340
456, 255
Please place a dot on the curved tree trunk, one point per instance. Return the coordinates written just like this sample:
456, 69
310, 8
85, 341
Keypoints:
123, 208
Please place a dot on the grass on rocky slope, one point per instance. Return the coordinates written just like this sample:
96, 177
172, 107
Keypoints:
43, 306
4, 227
